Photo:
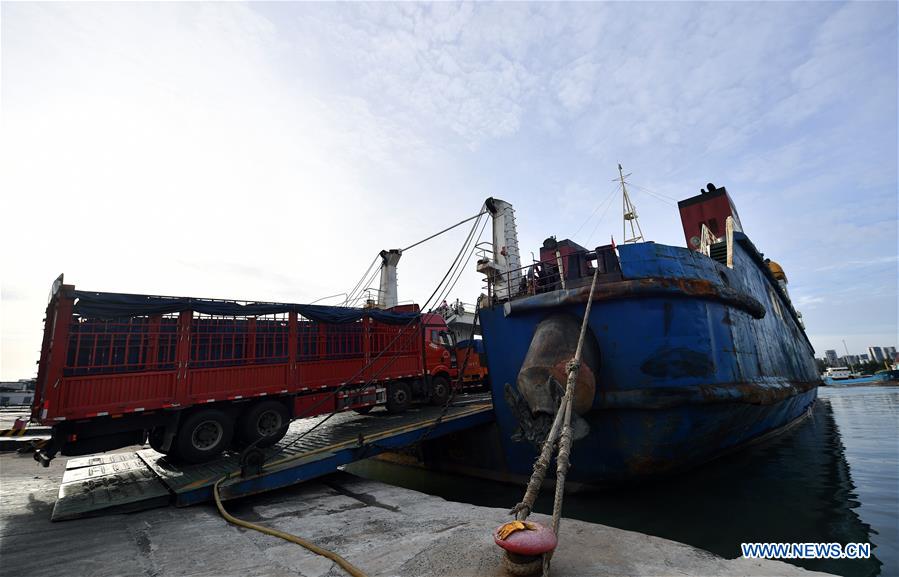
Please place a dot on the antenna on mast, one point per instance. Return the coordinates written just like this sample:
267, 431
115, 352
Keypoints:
629, 210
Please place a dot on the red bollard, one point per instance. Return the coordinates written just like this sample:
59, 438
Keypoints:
524, 547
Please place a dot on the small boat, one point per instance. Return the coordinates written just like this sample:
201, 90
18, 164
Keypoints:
691, 352
891, 374
837, 374
857, 379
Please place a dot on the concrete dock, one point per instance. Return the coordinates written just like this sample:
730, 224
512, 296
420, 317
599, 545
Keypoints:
382, 529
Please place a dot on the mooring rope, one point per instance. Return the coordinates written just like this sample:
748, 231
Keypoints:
561, 431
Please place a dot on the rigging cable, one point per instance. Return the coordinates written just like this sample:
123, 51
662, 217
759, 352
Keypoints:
360, 294
458, 265
599, 204
346, 565
360, 282
386, 348
605, 211
362, 279
365, 281
463, 267
657, 195
478, 215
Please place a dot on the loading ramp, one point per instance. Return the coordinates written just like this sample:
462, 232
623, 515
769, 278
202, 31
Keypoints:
134, 481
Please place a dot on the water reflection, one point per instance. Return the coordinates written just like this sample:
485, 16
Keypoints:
800, 487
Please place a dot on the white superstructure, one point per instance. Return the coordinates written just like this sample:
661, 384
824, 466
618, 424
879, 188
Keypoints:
837, 373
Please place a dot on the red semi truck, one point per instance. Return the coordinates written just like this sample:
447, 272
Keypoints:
198, 376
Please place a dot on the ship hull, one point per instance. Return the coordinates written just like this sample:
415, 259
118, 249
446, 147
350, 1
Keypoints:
696, 359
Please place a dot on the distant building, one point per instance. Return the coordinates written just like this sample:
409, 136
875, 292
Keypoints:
876, 354
850, 360
863, 358
889, 353
831, 358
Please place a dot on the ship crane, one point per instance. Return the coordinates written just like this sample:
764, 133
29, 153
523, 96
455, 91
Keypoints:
387, 295
503, 271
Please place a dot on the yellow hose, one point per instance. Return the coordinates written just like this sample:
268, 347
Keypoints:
346, 565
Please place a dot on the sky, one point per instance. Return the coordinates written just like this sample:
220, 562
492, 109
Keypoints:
268, 151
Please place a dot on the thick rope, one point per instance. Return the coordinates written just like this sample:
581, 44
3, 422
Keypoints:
562, 460
346, 565
561, 431
524, 508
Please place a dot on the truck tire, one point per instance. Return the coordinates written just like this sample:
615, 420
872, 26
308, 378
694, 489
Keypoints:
399, 397
440, 391
266, 422
203, 436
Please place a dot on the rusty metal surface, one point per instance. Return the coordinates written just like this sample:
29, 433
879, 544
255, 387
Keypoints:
750, 393
697, 358
640, 288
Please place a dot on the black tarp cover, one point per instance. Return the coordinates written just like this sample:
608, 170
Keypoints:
114, 305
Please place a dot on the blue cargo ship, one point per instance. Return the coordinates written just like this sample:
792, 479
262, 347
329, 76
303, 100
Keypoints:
690, 353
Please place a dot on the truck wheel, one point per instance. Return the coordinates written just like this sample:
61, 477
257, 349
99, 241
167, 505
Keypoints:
439, 391
399, 397
203, 436
268, 421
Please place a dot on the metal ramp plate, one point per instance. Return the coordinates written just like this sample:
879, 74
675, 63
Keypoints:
126, 482
299, 458
116, 483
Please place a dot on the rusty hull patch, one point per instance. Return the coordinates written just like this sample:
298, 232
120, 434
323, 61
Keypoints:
641, 288
678, 362
667, 397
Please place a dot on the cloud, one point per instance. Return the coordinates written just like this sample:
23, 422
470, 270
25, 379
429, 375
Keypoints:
862, 263
269, 150
574, 84
809, 301
135, 138
434, 65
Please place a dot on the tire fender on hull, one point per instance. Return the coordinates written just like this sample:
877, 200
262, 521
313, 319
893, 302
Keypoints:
543, 375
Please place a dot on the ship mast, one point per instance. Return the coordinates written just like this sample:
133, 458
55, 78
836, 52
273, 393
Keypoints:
851, 370
630, 212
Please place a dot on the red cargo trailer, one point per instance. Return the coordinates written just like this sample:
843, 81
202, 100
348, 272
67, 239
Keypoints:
198, 376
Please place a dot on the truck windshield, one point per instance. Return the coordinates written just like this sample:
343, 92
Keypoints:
441, 337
